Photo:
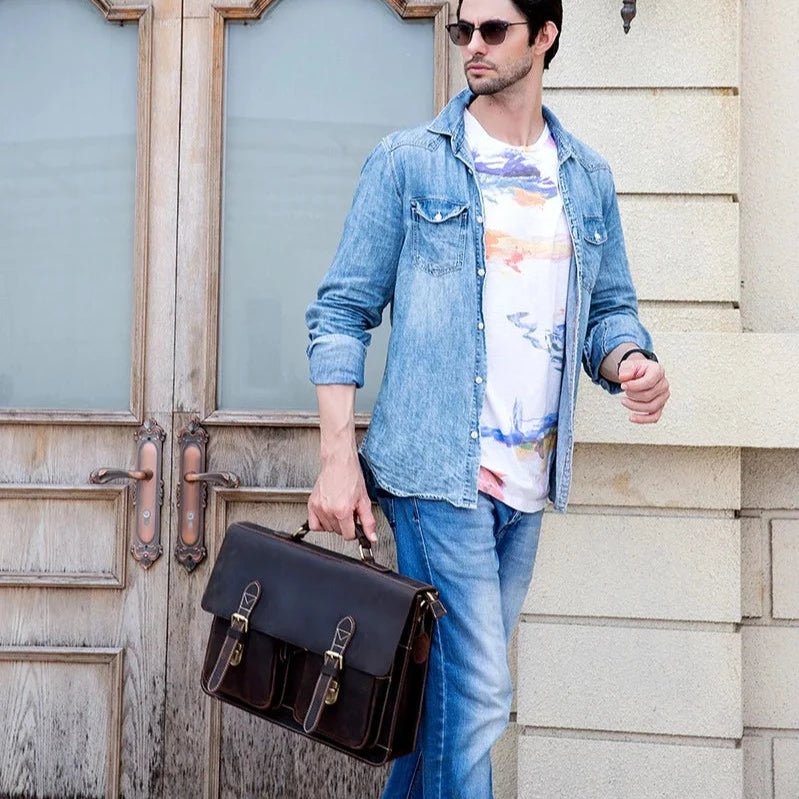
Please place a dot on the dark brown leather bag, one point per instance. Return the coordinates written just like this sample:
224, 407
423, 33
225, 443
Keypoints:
331, 647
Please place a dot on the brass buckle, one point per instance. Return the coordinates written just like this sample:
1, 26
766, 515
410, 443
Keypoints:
243, 619
336, 656
331, 695
235, 656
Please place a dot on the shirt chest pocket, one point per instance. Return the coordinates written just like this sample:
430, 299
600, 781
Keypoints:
594, 237
438, 234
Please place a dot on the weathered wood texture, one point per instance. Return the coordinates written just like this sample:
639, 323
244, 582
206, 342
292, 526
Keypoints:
64, 717
45, 541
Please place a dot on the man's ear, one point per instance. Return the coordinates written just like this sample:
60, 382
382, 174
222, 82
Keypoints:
545, 38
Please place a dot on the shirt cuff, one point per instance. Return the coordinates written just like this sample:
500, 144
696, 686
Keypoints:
607, 335
336, 359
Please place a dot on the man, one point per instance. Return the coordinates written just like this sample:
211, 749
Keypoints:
495, 235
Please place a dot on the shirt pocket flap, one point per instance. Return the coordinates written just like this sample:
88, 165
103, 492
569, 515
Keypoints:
436, 210
594, 230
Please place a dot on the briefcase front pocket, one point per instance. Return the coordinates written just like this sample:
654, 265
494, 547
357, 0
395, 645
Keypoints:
351, 713
256, 673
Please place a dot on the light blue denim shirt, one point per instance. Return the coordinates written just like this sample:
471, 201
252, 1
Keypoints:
414, 238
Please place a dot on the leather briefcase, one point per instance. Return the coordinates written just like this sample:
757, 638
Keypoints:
331, 647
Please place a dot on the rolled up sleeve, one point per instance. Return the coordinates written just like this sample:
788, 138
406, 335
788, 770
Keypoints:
360, 281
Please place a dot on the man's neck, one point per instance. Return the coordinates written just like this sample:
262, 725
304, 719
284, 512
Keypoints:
513, 115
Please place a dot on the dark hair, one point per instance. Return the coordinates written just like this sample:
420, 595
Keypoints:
538, 13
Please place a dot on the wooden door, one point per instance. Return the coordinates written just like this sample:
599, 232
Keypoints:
88, 220
277, 118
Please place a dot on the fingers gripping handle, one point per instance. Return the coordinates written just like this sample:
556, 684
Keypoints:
364, 543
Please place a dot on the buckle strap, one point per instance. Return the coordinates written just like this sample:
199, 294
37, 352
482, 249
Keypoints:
233, 646
327, 685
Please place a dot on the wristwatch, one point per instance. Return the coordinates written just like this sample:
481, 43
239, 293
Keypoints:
648, 354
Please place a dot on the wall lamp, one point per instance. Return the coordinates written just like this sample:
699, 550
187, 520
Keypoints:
627, 13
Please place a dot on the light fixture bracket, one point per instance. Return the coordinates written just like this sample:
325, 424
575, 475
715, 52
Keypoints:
628, 13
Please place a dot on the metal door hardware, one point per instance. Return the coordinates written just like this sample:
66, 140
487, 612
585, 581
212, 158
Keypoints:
148, 493
193, 494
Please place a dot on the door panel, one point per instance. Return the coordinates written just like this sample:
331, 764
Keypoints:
272, 139
87, 314
67, 205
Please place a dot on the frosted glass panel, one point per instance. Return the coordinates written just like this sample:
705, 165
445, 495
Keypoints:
67, 192
311, 89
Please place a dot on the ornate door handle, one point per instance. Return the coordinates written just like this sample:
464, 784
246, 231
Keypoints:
227, 479
105, 475
193, 494
148, 495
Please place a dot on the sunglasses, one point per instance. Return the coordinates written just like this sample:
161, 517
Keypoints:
492, 32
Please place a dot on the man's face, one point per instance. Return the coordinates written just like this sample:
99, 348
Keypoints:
492, 68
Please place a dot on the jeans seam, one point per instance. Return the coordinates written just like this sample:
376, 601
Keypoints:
413, 776
514, 519
440, 646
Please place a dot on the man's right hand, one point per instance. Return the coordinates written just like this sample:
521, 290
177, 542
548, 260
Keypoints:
340, 496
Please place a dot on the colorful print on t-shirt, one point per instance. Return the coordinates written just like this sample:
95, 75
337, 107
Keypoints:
528, 251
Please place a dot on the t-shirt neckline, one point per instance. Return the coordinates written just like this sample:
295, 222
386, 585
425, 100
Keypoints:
471, 121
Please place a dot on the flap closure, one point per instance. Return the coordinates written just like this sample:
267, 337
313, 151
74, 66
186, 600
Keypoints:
594, 230
436, 210
306, 590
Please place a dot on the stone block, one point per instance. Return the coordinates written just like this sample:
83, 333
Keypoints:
681, 141
707, 247
770, 669
770, 477
656, 477
712, 407
752, 584
786, 768
756, 764
574, 768
642, 566
672, 682
769, 130
785, 568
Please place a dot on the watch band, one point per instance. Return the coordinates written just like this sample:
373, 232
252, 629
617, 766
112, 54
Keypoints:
648, 354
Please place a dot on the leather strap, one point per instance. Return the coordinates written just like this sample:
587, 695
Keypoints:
234, 640
326, 690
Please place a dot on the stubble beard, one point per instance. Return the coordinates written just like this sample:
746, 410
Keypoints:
516, 72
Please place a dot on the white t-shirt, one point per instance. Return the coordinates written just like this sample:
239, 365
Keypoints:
528, 250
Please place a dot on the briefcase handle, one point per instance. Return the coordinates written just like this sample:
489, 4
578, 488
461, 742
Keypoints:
364, 544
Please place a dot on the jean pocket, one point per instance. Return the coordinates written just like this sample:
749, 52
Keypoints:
438, 234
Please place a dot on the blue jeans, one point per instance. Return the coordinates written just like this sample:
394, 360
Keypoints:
481, 560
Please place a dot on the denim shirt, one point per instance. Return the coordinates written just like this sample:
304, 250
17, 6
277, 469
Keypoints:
414, 238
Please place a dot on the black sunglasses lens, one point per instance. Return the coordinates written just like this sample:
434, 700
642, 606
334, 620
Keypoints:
460, 33
493, 32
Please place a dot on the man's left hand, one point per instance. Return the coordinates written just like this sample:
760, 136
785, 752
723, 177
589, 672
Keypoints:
645, 387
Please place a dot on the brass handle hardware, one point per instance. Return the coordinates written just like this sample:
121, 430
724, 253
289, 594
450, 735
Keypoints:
192, 494
148, 491
227, 479
106, 475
